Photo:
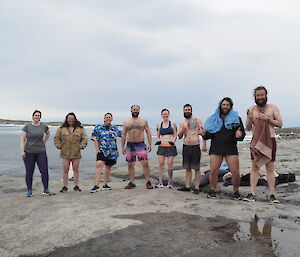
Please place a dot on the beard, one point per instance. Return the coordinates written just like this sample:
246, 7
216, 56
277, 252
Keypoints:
135, 114
261, 102
187, 115
224, 112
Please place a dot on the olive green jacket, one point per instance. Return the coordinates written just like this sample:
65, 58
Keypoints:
70, 144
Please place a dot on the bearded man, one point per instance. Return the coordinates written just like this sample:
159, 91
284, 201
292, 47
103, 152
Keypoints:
263, 117
224, 128
133, 133
191, 128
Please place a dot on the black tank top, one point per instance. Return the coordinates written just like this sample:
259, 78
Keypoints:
166, 131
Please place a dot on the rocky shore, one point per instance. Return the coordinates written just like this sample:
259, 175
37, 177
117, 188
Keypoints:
159, 222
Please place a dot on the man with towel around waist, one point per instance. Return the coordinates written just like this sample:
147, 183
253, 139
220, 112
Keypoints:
263, 118
224, 128
191, 128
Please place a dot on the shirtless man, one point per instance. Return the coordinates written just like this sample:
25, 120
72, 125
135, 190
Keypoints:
191, 128
269, 113
133, 133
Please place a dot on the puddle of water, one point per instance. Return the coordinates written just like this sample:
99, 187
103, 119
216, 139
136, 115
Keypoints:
281, 234
168, 234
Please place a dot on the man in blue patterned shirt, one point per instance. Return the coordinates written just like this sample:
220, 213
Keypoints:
105, 141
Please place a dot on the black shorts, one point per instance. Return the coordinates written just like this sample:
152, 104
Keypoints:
167, 150
191, 155
108, 162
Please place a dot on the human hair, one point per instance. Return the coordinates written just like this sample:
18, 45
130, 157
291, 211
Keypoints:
164, 110
36, 112
187, 105
228, 99
108, 113
135, 105
259, 88
77, 123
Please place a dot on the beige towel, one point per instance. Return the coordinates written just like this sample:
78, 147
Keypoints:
261, 144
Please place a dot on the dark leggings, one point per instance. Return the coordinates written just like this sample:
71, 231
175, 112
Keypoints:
41, 159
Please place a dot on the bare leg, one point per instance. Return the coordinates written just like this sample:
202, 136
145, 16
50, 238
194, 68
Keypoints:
234, 167
146, 169
270, 177
161, 160
188, 178
254, 176
215, 163
107, 174
170, 169
197, 178
99, 166
131, 171
75, 163
66, 167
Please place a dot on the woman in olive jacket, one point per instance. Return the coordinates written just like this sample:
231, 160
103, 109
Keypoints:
70, 138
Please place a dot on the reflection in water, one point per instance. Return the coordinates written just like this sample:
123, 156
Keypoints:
278, 237
258, 233
266, 231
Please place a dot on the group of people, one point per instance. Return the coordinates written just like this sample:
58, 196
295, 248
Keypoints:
224, 128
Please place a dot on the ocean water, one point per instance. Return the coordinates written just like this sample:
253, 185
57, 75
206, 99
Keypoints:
12, 163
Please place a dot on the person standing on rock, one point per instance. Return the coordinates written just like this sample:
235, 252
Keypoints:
166, 137
133, 132
224, 128
70, 138
191, 128
263, 118
105, 141
33, 137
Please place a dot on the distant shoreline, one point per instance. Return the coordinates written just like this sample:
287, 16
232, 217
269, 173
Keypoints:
51, 123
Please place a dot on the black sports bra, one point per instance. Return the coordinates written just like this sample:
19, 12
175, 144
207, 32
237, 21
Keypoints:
166, 131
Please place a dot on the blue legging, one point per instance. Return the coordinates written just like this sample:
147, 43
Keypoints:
42, 161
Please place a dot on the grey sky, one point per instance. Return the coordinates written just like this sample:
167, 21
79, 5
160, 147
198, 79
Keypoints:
93, 57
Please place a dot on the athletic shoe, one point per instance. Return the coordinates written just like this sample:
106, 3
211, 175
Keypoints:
29, 193
237, 196
77, 189
212, 194
106, 187
159, 185
148, 185
170, 186
47, 192
184, 189
250, 198
94, 189
64, 189
272, 199
130, 185
196, 191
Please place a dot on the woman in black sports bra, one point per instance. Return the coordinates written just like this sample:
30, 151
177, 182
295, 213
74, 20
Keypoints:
166, 137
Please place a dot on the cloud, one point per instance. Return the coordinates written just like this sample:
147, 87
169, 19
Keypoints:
94, 57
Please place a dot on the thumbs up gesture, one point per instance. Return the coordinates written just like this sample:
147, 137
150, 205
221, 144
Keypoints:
238, 133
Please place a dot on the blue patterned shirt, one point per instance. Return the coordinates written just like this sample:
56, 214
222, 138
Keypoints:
107, 140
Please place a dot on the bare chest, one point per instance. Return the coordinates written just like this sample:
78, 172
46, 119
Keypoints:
135, 126
257, 111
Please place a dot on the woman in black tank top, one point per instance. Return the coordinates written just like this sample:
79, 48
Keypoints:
166, 137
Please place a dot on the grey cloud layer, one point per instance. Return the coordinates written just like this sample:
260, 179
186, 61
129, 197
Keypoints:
97, 56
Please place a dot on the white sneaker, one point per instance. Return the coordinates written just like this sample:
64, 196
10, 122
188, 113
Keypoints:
159, 185
169, 186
